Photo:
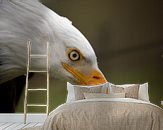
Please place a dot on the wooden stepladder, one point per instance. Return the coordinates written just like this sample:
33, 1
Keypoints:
29, 57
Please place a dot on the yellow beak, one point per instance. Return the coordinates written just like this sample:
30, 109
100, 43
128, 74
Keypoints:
94, 78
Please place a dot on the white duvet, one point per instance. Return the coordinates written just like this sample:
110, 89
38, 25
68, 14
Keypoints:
106, 114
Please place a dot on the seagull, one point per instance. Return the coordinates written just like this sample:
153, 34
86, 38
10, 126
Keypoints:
71, 56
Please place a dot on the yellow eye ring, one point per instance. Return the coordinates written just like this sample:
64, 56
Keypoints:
74, 55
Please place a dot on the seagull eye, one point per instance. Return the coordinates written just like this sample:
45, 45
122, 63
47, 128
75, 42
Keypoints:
74, 55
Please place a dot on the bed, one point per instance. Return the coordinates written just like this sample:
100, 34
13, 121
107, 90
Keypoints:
101, 113
106, 114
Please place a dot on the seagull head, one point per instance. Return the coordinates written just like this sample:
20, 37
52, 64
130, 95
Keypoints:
73, 56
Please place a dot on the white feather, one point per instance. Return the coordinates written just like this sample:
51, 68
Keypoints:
22, 20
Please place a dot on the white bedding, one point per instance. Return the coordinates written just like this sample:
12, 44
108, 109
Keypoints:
106, 114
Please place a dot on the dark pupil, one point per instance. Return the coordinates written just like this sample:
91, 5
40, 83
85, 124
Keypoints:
74, 55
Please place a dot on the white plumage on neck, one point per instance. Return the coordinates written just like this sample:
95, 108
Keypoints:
22, 20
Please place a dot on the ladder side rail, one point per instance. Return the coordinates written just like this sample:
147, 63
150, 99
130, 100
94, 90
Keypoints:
27, 75
47, 109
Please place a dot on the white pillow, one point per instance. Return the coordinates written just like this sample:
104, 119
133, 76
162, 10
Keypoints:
71, 92
143, 91
102, 95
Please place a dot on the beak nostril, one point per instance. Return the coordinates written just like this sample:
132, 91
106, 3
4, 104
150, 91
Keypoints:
96, 77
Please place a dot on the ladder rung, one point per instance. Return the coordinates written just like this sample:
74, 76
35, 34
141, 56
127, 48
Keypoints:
36, 105
38, 56
38, 71
38, 89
